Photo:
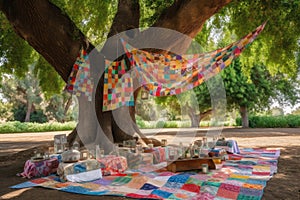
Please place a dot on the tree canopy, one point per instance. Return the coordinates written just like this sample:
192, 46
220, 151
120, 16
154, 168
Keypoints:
276, 47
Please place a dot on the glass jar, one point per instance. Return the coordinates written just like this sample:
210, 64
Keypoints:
163, 142
205, 168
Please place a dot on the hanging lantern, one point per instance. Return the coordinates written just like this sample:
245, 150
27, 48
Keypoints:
144, 94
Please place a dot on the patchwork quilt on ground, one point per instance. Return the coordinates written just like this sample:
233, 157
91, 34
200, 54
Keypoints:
242, 177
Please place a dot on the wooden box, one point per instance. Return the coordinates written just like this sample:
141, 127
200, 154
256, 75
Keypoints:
190, 164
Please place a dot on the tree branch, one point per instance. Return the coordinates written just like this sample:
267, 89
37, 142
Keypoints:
48, 30
126, 18
188, 17
1, 5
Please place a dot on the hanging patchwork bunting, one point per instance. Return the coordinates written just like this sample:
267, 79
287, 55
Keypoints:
166, 74
118, 86
171, 74
80, 80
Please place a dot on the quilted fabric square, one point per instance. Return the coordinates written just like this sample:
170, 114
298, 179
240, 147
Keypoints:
248, 197
174, 185
202, 177
103, 181
204, 196
209, 189
191, 188
148, 186
178, 196
228, 191
137, 182
39, 180
234, 182
121, 181
178, 178
253, 186
161, 193
61, 185
194, 181
256, 181
229, 187
76, 189
227, 194
209, 183
251, 192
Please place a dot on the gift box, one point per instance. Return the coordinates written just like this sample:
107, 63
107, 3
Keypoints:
86, 170
137, 160
111, 165
39, 168
230, 146
218, 152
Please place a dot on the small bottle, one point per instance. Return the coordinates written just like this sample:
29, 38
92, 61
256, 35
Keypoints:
76, 146
188, 152
98, 152
205, 144
195, 151
181, 150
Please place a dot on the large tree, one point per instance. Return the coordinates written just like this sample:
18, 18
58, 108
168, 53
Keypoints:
51, 28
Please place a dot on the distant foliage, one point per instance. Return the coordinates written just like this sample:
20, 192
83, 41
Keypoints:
37, 116
287, 121
19, 127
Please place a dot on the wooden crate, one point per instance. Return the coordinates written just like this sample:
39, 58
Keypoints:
190, 164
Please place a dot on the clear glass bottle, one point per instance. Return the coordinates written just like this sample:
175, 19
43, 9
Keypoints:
205, 144
76, 146
181, 150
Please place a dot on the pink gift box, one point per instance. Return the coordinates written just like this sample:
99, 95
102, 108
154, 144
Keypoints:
39, 168
112, 165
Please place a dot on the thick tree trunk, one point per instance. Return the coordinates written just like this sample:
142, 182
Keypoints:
28, 111
196, 118
67, 107
244, 116
51, 33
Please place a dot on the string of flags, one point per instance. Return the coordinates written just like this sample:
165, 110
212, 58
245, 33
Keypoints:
160, 74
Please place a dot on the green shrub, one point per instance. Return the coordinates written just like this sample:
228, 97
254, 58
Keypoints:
160, 124
140, 123
171, 124
19, 114
286, 121
19, 127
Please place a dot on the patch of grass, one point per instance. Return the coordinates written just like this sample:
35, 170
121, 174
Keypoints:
284, 121
19, 127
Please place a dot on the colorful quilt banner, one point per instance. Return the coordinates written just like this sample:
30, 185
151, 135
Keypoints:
118, 89
171, 74
167, 74
80, 80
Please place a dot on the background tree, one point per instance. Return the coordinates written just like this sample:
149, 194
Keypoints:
25, 96
59, 106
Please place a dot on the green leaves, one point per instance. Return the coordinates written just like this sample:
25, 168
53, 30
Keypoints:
49, 81
278, 43
93, 17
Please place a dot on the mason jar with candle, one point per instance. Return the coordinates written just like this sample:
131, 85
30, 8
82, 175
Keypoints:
205, 168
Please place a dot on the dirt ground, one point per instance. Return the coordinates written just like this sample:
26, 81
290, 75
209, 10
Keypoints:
17, 148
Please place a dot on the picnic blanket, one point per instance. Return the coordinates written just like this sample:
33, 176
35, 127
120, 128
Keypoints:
244, 176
